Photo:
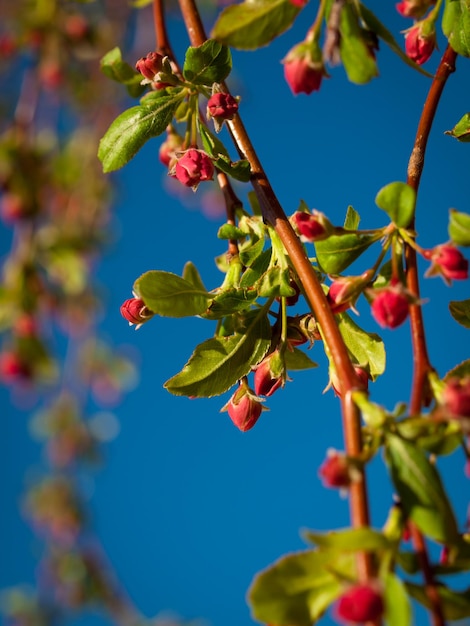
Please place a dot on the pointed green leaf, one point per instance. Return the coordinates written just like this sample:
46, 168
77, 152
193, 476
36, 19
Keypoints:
337, 252
455, 604
460, 371
456, 25
171, 296
350, 540
254, 23
133, 128
379, 29
459, 228
460, 311
359, 63
297, 589
352, 219
208, 63
275, 282
397, 603
398, 201
461, 130
230, 301
230, 231
420, 489
191, 274
298, 360
240, 170
218, 363
113, 66
366, 349
258, 262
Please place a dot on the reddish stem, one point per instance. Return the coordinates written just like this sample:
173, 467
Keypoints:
161, 37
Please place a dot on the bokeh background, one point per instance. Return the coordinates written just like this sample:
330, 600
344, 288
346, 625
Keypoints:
186, 507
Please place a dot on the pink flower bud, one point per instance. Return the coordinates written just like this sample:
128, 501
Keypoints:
419, 46
13, 368
338, 296
270, 374
150, 66
456, 397
361, 374
360, 603
135, 311
336, 471
193, 167
303, 72
390, 305
244, 408
447, 261
312, 226
414, 8
168, 149
222, 106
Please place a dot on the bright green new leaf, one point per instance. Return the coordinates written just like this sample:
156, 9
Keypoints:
298, 360
297, 589
381, 31
230, 301
258, 262
275, 282
460, 371
456, 25
133, 128
460, 311
461, 130
230, 231
455, 604
254, 23
366, 349
352, 219
208, 63
350, 540
218, 363
240, 170
191, 274
171, 296
398, 201
459, 228
420, 489
359, 63
337, 252
398, 610
113, 66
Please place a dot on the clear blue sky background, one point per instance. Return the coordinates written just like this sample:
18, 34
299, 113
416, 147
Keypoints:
187, 508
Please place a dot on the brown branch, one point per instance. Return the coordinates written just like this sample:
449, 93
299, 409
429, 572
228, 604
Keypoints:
422, 365
274, 215
161, 37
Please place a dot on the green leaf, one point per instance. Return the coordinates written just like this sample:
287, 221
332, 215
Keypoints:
298, 360
366, 349
352, 219
460, 311
259, 262
359, 63
459, 228
275, 282
254, 23
455, 604
191, 274
230, 301
398, 610
208, 63
218, 363
420, 489
350, 540
381, 31
456, 25
240, 170
337, 252
461, 130
230, 231
115, 68
297, 589
133, 128
171, 296
460, 371
398, 201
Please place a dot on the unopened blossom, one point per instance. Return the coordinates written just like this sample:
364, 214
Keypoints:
360, 603
419, 45
244, 408
135, 311
168, 149
414, 8
150, 66
193, 167
312, 226
336, 471
390, 305
362, 375
222, 106
447, 261
302, 72
270, 374
456, 397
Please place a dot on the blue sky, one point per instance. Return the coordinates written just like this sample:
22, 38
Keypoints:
187, 508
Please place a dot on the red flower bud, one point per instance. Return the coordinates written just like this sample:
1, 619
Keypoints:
448, 261
269, 374
359, 604
135, 311
303, 72
244, 408
13, 368
337, 471
193, 167
222, 106
390, 305
150, 65
419, 46
312, 226
168, 149
414, 8
361, 373
456, 397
